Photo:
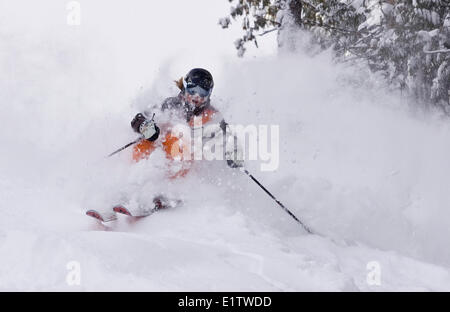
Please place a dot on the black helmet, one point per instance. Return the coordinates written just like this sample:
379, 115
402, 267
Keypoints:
200, 81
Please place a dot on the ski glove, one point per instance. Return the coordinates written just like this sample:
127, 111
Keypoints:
146, 127
235, 163
234, 159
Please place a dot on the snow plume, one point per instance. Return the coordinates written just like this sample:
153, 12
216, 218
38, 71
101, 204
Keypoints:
355, 162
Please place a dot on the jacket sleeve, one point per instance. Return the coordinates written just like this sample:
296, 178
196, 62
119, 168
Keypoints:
168, 104
144, 148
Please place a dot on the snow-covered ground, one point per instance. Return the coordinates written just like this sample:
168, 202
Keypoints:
355, 164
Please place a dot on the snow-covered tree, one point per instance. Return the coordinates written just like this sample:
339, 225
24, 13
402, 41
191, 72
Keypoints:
408, 41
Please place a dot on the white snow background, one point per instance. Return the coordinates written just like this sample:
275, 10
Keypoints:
355, 163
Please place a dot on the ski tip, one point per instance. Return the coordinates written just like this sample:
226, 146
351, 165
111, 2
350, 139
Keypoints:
101, 217
121, 209
94, 214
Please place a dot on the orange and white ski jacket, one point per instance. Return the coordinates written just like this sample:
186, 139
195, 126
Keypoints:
178, 144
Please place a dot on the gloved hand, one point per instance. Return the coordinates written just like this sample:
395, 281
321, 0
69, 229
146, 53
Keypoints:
234, 154
235, 163
146, 127
234, 159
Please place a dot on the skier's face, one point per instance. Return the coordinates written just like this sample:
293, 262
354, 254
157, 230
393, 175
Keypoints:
195, 99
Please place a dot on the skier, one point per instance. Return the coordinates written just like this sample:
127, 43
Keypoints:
192, 106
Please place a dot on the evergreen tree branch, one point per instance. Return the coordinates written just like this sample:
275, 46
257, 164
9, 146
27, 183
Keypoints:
437, 51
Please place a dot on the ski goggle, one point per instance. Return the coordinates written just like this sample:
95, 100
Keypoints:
192, 90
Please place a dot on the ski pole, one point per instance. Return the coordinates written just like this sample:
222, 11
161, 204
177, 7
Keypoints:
277, 201
129, 144
124, 147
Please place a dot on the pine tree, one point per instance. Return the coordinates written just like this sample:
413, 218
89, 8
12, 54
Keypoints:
408, 41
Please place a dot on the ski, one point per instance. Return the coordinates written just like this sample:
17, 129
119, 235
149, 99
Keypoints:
142, 213
160, 202
101, 216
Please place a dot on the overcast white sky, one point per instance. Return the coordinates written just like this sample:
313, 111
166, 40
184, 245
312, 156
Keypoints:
134, 36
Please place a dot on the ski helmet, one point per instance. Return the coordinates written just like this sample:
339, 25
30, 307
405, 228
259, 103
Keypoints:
198, 81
